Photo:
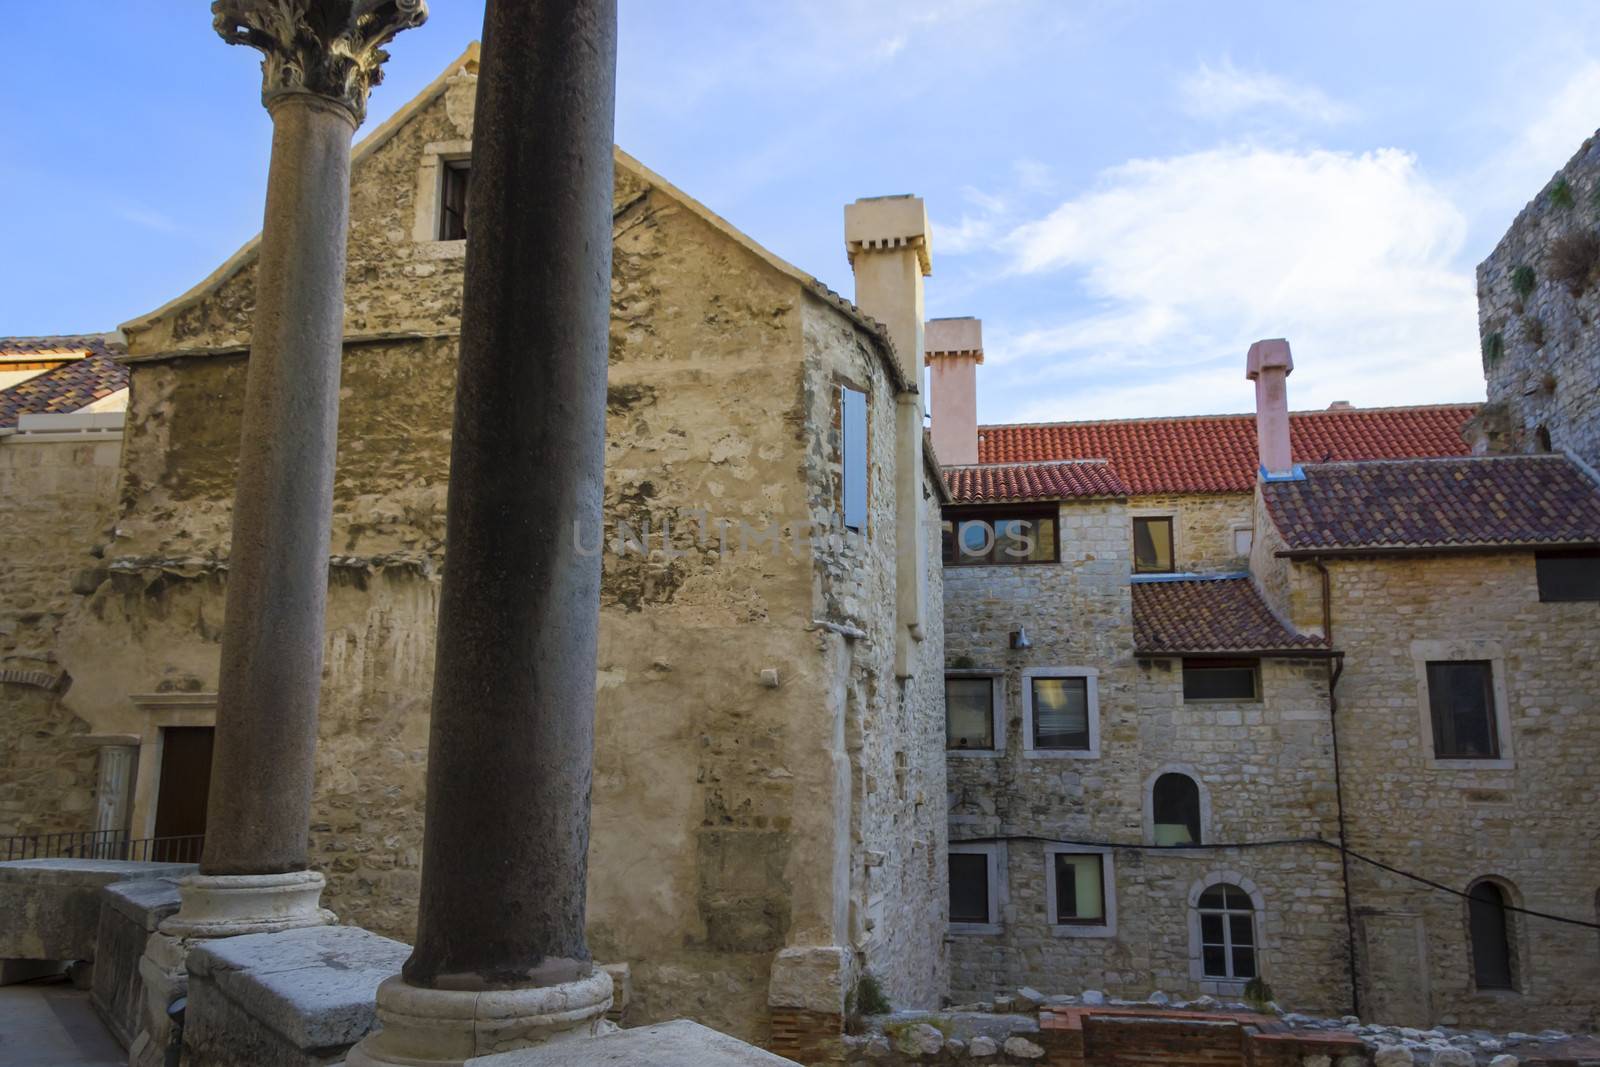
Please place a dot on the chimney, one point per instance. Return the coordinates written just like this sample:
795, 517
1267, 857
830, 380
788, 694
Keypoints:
887, 238
1268, 365
954, 348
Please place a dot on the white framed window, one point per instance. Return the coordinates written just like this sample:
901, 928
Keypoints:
1227, 924
1243, 540
441, 199
1464, 715
977, 875
1061, 713
974, 713
1080, 891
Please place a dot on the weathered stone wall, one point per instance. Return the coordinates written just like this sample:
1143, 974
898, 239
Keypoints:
59, 496
732, 819
1203, 527
1541, 353
1523, 822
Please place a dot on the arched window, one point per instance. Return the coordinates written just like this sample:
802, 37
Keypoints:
1227, 933
1491, 940
1175, 806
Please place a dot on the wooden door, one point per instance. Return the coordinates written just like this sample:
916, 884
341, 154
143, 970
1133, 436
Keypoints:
183, 791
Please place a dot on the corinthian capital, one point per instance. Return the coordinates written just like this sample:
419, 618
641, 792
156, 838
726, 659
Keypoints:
330, 48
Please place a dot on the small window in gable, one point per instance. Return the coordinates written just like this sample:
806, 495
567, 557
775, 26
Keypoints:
1175, 804
1152, 545
1243, 538
453, 196
853, 456
1568, 576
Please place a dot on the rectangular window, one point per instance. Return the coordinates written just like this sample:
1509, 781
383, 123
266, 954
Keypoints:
853, 449
1060, 713
1152, 546
969, 887
1243, 538
1461, 701
1018, 535
969, 713
1080, 889
1568, 576
453, 199
1221, 679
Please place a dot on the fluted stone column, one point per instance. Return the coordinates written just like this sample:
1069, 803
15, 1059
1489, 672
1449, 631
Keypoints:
501, 961
320, 59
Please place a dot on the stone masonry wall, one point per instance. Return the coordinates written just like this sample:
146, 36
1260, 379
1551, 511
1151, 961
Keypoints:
1203, 528
1523, 822
1265, 769
1541, 351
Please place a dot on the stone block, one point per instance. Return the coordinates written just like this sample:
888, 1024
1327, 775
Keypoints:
129, 914
292, 999
680, 1043
50, 909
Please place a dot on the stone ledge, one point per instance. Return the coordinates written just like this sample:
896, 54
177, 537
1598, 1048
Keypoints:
679, 1043
50, 909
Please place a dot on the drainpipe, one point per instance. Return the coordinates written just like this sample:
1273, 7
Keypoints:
1335, 670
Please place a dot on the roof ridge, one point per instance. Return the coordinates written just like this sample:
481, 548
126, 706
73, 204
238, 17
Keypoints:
1397, 460
1098, 460
1443, 406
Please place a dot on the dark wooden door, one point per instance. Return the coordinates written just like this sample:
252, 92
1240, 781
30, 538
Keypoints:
185, 786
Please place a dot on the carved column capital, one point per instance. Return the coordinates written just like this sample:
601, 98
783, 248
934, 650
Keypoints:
329, 48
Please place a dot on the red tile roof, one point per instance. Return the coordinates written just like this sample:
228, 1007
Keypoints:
87, 372
1478, 502
1032, 481
1174, 616
1217, 453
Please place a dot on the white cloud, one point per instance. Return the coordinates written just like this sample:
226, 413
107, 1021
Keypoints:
1224, 91
1184, 261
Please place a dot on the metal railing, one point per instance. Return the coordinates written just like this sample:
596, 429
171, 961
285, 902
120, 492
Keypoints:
102, 845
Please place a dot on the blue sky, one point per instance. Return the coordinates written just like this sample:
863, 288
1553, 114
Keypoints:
1127, 194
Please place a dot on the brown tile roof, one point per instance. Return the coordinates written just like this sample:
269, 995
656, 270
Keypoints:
88, 371
1217, 453
1225, 614
1477, 502
1032, 481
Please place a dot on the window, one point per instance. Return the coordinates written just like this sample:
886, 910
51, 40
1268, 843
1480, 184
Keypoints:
1152, 546
1060, 713
969, 713
1221, 679
853, 456
1243, 538
1227, 933
1079, 895
1015, 535
977, 884
1175, 804
1461, 704
1491, 942
455, 178
1567, 576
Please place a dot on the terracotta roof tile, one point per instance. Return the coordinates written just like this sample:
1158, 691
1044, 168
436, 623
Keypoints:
1481, 501
1217, 453
1032, 481
1210, 615
88, 372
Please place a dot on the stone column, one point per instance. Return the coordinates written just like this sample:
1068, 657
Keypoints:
113, 794
320, 60
501, 960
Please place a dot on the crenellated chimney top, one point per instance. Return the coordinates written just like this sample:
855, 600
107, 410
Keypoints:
1268, 365
954, 348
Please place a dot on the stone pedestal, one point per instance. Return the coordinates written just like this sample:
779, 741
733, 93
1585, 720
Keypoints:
447, 1027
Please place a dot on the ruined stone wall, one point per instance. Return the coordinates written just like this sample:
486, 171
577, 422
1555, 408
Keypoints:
59, 498
1537, 303
1203, 527
1523, 821
1264, 767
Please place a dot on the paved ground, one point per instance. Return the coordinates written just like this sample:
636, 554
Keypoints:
52, 1025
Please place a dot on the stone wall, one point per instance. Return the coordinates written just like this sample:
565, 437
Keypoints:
60, 496
1521, 822
1537, 302
1265, 768
1203, 527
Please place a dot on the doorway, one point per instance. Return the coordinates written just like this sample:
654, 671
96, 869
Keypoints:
185, 786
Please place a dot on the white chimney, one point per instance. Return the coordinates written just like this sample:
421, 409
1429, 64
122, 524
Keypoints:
1268, 365
888, 241
954, 348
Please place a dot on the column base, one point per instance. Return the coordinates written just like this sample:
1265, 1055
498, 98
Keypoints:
212, 906
447, 1027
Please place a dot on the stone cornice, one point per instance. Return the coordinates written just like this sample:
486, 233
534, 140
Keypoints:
328, 48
